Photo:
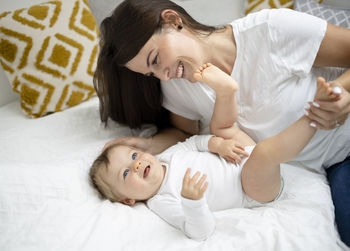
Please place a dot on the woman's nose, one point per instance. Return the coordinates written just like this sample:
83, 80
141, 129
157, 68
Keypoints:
164, 74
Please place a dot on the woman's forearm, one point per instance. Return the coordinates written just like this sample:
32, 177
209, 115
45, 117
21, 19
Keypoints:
165, 139
344, 80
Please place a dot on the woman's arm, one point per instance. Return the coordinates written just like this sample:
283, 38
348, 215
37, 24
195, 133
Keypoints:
344, 80
165, 139
190, 127
335, 48
183, 128
335, 52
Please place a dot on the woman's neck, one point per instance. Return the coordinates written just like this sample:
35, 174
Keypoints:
220, 49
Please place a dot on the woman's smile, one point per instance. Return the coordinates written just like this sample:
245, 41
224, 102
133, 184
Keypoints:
180, 70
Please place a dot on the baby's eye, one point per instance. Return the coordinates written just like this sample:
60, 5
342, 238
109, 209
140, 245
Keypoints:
125, 173
133, 156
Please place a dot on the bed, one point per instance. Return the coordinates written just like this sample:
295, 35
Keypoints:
47, 202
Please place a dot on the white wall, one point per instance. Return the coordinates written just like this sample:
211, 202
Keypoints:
212, 12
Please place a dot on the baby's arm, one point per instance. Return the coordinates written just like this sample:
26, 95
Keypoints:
193, 217
193, 188
230, 149
225, 109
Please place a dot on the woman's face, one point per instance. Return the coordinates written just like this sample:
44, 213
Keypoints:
171, 53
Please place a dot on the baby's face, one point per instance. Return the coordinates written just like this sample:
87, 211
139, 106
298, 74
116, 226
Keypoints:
133, 174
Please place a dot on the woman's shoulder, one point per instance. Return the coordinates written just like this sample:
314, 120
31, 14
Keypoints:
277, 24
268, 16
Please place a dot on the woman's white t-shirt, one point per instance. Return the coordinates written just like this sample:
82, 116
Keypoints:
274, 69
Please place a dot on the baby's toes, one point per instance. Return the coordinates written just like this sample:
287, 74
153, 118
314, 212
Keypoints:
207, 65
197, 76
321, 83
329, 90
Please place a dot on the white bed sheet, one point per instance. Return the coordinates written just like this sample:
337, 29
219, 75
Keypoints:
47, 203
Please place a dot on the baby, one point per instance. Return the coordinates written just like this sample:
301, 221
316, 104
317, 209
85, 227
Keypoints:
165, 182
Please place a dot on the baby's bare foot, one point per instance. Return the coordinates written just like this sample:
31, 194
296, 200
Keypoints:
325, 92
215, 78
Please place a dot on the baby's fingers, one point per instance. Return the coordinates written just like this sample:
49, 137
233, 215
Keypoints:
186, 178
203, 189
230, 159
195, 178
200, 182
240, 150
235, 157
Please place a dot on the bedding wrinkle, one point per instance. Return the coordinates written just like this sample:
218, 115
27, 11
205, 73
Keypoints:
50, 173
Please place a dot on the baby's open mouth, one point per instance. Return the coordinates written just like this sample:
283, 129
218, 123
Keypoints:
146, 171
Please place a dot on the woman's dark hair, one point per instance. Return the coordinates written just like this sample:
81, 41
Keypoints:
128, 97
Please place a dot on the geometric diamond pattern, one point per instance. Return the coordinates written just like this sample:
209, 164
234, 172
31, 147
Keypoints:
49, 53
39, 16
340, 17
256, 5
15, 39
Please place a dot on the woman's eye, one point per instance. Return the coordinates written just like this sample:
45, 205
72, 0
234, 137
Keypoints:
125, 173
134, 155
155, 60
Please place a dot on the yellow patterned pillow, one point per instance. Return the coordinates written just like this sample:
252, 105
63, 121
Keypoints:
49, 53
256, 5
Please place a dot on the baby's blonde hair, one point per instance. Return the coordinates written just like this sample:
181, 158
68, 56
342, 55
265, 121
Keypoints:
100, 163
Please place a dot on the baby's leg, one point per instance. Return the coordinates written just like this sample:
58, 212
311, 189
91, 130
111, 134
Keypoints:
225, 109
218, 80
260, 176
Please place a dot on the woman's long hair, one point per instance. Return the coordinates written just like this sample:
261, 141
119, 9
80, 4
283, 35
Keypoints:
128, 97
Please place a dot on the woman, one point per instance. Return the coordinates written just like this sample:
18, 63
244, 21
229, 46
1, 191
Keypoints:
274, 55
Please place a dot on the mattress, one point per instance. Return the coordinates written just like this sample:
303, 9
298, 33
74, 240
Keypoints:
47, 202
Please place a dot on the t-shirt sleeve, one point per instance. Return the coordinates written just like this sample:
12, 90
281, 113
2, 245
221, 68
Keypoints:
177, 98
295, 38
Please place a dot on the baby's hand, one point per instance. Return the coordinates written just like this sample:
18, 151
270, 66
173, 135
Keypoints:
231, 150
191, 188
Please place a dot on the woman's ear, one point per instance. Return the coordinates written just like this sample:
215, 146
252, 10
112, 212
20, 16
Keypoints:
172, 18
129, 202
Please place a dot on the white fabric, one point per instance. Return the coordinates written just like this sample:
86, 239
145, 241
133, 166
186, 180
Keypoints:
273, 67
224, 190
46, 202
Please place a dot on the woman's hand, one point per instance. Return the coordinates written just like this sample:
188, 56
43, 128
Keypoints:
330, 114
192, 188
144, 144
